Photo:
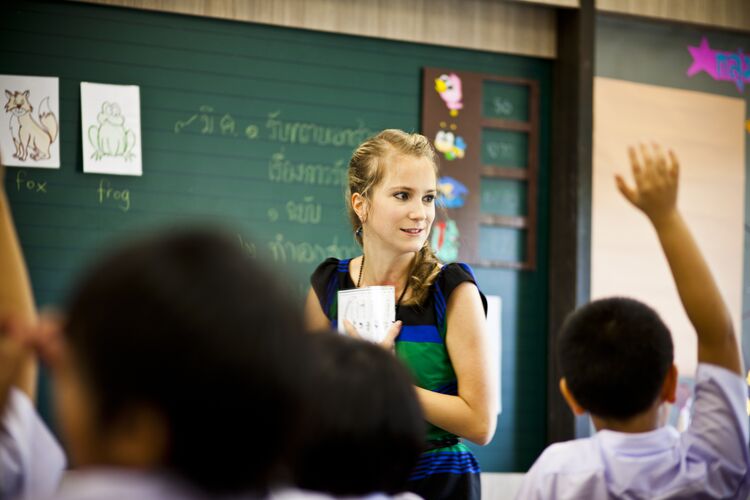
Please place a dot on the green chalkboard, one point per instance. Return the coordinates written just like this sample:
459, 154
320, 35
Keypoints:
250, 127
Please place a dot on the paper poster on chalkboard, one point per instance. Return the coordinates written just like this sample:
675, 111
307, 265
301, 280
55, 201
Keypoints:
30, 122
111, 129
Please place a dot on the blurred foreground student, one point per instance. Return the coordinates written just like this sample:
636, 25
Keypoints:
617, 364
177, 374
31, 461
364, 431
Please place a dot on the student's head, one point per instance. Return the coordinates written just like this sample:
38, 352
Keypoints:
364, 429
182, 355
615, 355
391, 195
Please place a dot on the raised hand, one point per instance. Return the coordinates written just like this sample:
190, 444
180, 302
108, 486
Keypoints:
656, 177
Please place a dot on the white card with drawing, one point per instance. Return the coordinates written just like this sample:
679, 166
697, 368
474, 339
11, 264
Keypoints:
30, 122
111, 129
370, 309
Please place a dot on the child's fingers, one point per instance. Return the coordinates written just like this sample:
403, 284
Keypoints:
660, 161
674, 170
628, 192
646, 155
48, 339
635, 166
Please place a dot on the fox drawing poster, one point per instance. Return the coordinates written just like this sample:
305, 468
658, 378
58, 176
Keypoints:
30, 121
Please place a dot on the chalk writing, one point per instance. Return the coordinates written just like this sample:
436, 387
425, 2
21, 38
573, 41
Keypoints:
276, 129
498, 150
121, 197
313, 133
302, 252
202, 117
25, 183
305, 212
247, 246
502, 106
282, 170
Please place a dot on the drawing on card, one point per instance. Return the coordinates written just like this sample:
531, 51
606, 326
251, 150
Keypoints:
110, 137
32, 136
111, 129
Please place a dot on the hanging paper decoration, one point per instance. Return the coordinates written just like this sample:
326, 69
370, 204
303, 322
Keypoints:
445, 240
449, 88
451, 145
721, 66
451, 193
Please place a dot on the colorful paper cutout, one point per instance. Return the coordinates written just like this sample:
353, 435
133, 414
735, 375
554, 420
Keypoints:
449, 88
452, 146
451, 193
721, 66
445, 240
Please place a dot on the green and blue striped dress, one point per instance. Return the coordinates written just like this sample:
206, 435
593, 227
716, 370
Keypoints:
447, 469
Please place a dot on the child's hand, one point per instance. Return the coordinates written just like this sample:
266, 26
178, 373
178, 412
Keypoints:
656, 178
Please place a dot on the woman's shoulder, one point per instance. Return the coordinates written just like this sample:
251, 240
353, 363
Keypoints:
455, 273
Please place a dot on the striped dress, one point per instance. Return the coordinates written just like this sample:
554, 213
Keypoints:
447, 469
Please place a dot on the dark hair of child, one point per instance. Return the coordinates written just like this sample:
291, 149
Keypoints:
615, 354
365, 428
188, 325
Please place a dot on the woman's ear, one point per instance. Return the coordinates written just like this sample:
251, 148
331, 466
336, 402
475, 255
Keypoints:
360, 206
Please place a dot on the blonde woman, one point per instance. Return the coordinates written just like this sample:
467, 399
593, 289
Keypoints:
440, 312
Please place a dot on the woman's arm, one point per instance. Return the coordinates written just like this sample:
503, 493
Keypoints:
315, 318
473, 413
16, 298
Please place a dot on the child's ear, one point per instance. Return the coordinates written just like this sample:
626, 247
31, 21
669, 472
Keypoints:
572, 403
669, 388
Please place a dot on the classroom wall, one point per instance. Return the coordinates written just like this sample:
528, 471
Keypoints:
656, 53
730, 14
205, 83
496, 26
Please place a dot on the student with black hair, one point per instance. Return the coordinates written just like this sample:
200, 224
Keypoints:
178, 372
617, 364
364, 430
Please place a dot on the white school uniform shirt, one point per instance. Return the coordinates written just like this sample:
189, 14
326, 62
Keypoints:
297, 494
31, 459
709, 460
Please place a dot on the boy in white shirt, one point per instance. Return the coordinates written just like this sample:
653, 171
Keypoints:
616, 359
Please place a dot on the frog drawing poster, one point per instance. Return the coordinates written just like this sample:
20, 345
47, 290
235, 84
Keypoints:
30, 121
111, 129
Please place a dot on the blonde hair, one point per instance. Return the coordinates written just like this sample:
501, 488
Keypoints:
366, 170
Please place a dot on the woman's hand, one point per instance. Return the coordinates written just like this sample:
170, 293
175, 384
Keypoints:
388, 342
